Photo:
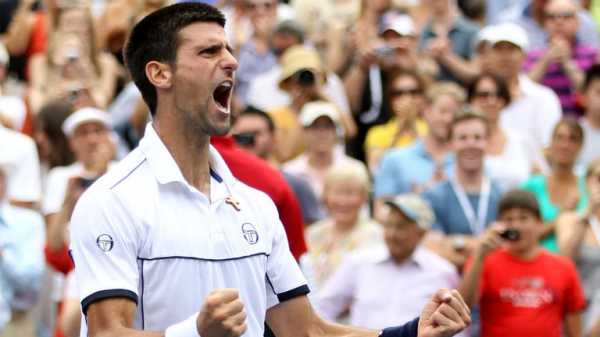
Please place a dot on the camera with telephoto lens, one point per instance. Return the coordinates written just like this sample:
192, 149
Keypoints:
245, 138
510, 235
305, 78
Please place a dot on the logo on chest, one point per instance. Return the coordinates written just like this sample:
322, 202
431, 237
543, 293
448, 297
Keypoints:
528, 292
250, 233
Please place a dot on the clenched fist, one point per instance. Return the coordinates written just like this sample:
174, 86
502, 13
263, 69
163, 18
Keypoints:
222, 314
445, 315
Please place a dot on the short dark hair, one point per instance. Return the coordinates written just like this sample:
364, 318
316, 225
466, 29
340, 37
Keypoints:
518, 198
591, 74
468, 113
252, 111
502, 87
155, 38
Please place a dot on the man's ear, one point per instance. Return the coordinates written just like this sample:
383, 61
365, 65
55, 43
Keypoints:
159, 74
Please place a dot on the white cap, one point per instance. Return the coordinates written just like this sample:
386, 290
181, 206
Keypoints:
508, 32
313, 110
4, 57
399, 23
85, 115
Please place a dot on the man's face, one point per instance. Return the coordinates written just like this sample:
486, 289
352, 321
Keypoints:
402, 235
592, 98
321, 135
263, 13
439, 116
203, 78
469, 141
263, 137
528, 226
506, 59
88, 140
560, 19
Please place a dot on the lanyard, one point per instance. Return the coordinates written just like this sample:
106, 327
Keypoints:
477, 224
595, 225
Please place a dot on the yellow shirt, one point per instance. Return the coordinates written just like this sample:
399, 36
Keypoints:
286, 121
382, 136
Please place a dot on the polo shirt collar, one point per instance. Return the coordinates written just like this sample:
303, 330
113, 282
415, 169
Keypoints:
165, 168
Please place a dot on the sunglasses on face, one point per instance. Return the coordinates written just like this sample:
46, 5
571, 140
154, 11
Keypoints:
402, 92
563, 15
486, 94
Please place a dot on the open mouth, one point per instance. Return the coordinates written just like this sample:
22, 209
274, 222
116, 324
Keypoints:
222, 94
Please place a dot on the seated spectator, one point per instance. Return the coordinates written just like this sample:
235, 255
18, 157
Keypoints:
321, 121
72, 67
561, 66
534, 109
19, 157
518, 286
345, 229
12, 108
405, 96
408, 272
302, 77
578, 235
52, 144
449, 38
21, 263
507, 159
429, 157
465, 203
591, 118
254, 131
560, 190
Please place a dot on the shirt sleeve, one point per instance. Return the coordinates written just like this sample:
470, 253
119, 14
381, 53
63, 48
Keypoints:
284, 278
104, 243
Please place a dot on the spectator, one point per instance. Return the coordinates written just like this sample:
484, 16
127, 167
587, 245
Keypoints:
73, 65
560, 190
302, 77
21, 263
12, 108
344, 230
562, 65
448, 38
429, 157
518, 286
591, 119
534, 109
51, 141
254, 131
320, 121
20, 160
408, 272
578, 235
405, 95
507, 159
464, 204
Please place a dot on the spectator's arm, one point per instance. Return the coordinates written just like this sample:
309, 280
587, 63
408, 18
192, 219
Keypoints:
538, 68
59, 259
574, 73
104, 92
470, 285
70, 317
573, 325
20, 27
337, 52
570, 231
595, 332
464, 70
354, 82
37, 80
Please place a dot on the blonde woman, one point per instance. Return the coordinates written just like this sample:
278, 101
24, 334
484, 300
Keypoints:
345, 229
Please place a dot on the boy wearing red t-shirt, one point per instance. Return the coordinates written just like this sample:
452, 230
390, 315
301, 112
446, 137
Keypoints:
521, 289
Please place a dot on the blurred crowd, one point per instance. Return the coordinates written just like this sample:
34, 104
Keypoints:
408, 145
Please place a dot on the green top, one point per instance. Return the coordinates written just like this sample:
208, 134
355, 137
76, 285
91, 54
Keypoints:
538, 185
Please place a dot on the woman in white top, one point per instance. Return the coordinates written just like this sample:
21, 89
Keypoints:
508, 160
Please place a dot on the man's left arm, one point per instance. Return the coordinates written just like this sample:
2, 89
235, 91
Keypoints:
573, 325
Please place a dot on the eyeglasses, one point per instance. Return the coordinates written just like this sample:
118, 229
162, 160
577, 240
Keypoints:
401, 92
563, 15
486, 94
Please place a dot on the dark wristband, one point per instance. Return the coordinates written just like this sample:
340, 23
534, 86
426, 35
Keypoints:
410, 329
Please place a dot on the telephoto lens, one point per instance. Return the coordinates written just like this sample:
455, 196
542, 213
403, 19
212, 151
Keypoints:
305, 78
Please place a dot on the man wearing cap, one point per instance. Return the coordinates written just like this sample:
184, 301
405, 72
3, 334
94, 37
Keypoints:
320, 121
534, 109
88, 132
409, 272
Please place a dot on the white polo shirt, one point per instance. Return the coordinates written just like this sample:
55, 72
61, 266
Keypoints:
19, 157
142, 232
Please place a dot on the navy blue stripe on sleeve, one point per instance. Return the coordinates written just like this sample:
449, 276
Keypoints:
288, 295
410, 329
104, 294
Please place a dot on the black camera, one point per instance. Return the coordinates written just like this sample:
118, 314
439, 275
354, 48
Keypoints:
510, 235
245, 138
305, 78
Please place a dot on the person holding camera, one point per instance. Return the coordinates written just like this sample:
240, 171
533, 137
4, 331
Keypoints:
519, 286
465, 203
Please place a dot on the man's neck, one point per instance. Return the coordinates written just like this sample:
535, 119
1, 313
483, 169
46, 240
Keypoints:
436, 148
189, 148
470, 180
528, 254
320, 159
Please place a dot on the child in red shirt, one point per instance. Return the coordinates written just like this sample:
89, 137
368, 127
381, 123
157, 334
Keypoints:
521, 289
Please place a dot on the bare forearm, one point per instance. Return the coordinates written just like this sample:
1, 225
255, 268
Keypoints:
469, 287
595, 332
126, 332
538, 70
354, 83
461, 68
56, 235
574, 74
573, 325
19, 30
